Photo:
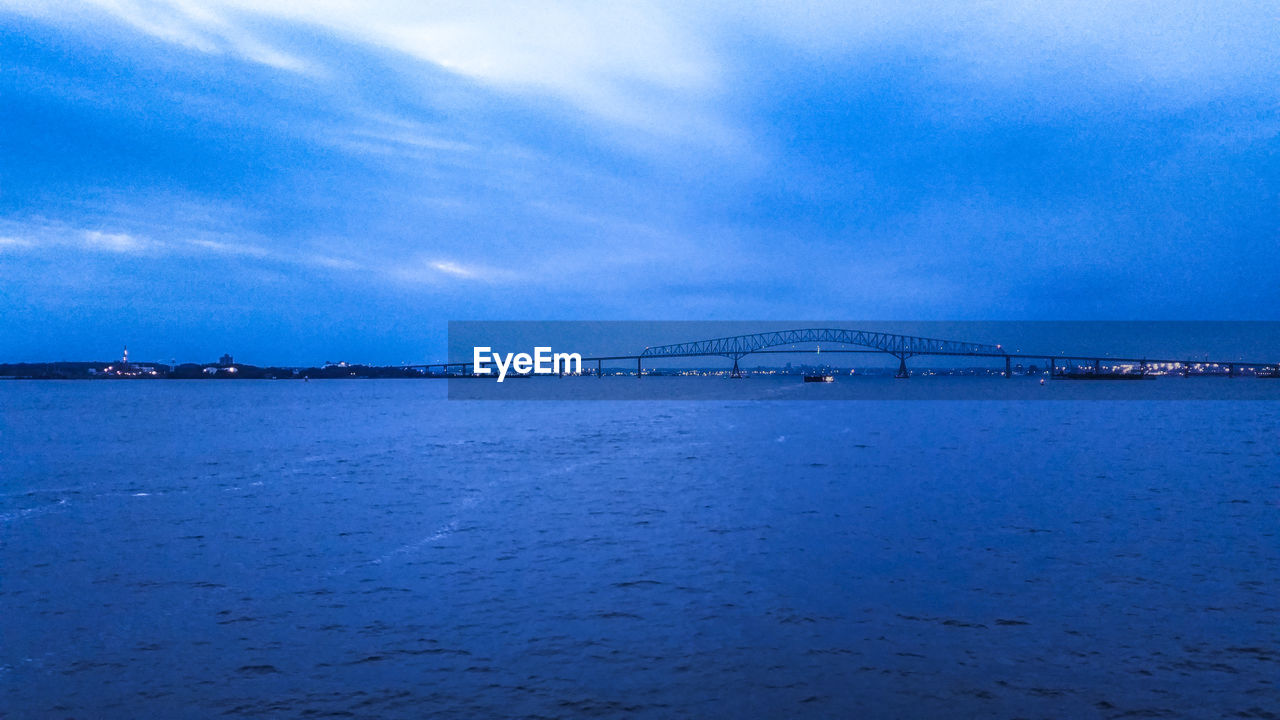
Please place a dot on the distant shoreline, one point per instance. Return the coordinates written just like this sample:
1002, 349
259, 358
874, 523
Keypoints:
82, 371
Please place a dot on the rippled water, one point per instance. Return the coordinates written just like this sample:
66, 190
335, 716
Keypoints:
370, 549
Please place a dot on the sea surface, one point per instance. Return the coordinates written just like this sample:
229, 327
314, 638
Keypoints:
371, 549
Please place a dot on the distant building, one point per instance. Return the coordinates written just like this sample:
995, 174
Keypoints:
226, 361
127, 369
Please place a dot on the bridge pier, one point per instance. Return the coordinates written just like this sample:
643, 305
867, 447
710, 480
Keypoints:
735, 373
902, 368
599, 369
1053, 366
1008, 369
638, 368
1097, 366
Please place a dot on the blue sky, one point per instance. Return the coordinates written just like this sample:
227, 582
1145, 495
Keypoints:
336, 181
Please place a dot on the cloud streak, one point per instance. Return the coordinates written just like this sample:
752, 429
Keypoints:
114, 242
660, 66
35, 237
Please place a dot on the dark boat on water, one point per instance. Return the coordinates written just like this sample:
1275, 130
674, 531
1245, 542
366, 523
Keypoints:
819, 378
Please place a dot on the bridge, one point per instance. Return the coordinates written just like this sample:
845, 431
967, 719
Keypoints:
902, 347
899, 346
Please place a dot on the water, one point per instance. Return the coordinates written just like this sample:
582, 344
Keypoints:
371, 549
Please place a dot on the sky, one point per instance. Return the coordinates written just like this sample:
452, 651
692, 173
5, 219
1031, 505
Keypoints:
295, 182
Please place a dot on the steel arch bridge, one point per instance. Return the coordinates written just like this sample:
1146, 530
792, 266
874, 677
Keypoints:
900, 346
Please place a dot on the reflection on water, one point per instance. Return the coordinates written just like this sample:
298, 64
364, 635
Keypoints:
370, 549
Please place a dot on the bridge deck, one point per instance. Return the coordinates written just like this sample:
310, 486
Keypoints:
1011, 355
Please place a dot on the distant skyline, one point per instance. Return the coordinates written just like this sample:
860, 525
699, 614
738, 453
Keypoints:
321, 181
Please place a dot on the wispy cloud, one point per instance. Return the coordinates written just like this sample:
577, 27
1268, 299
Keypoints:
330, 262
628, 63
230, 248
452, 268
633, 64
253, 254
396, 137
38, 234
116, 242
660, 66
435, 271
205, 27
13, 242
1147, 41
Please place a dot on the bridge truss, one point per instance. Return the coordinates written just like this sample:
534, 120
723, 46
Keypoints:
900, 346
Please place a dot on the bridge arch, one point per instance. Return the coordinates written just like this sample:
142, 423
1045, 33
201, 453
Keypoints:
900, 346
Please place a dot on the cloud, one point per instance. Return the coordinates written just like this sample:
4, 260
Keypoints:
330, 262
230, 248
626, 62
235, 247
13, 242
454, 269
433, 271
632, 64
1170, 42
659, 76
114, 242
172, 242
426, 190
205, 27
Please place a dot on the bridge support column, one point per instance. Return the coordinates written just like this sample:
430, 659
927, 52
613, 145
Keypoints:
1097, 366
638, 368
902, 367
1053, 366
735, 373
1008, 369
599, 368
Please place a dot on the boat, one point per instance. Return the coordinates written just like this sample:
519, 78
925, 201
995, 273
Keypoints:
819, 378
